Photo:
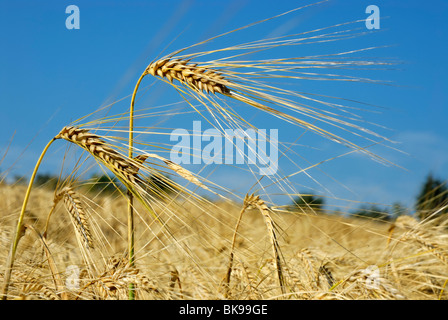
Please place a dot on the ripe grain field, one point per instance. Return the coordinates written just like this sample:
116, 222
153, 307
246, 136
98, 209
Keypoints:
322, 256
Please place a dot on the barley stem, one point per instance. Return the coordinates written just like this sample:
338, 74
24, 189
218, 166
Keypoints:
130, 195
229, 268
54, 271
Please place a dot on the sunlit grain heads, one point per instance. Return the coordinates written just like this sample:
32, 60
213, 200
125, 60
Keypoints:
97, 147
194, 76
113, 283
426, 242
415, 232
31, 288
75, 208
362, 284
254, 201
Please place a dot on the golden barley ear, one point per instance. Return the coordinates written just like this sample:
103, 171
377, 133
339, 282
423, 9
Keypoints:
78, 215
403, 222
380, 289
32, 286
415, 232
97, 147
240, 81
425, 241
327, 274
189, 74
306, 258
253, 201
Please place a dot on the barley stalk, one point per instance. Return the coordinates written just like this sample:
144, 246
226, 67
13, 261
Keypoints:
19, 229
131, 232
246, 204
54, 272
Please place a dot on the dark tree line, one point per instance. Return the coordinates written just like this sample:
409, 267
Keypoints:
158, 186
431, 202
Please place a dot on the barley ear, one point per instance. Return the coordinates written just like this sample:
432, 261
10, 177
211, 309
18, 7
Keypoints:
78, 215
190, 74
255, 201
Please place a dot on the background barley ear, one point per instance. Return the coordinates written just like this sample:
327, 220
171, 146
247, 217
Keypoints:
32, 287
426, 242
421, 234
112, 282
293, 281
255, 201
306, 258
78, 215
326, 273
403, 222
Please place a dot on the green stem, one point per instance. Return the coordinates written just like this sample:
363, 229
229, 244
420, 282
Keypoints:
12, 253
130, 195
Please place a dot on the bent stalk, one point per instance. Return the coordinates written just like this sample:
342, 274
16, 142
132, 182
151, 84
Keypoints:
130, 195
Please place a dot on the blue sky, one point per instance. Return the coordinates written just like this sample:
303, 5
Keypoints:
51, 76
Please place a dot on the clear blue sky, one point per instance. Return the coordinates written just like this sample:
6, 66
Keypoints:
51, 75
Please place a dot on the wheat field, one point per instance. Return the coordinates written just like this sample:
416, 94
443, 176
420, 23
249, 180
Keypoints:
322, 256
155, 230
